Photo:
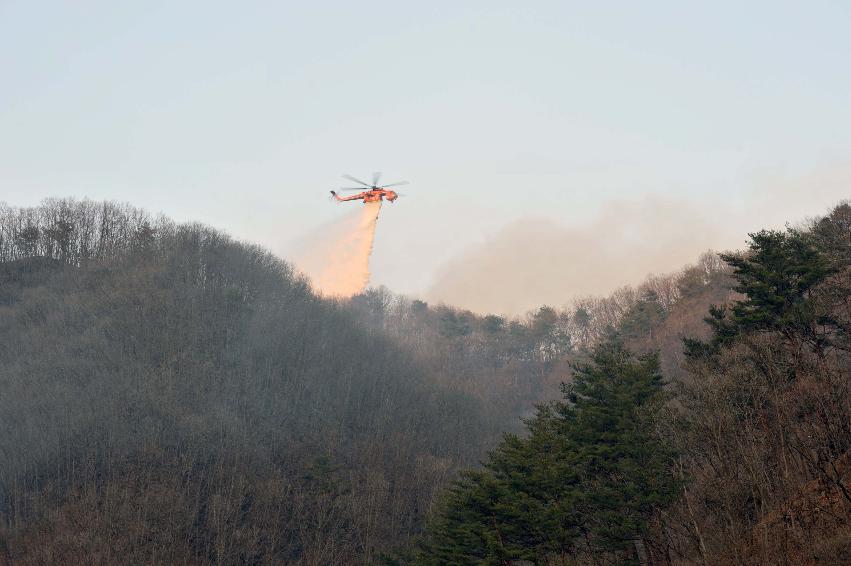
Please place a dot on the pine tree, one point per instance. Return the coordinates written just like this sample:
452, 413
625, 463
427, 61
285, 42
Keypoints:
645, 315
587, 477
624, 465
521, 505
779, 276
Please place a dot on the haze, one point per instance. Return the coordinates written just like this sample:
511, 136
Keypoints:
521, 127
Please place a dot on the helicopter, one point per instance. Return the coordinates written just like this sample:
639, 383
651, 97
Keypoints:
373, 192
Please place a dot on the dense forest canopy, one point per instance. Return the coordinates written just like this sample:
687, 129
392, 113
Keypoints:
170, 395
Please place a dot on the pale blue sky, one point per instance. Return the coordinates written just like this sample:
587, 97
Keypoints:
243, 115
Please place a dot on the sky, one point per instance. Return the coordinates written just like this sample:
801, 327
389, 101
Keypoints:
500, 114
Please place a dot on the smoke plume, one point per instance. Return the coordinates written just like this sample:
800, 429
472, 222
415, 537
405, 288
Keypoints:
536, 261
338, 262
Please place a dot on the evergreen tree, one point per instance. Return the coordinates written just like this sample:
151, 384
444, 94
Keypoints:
624, 465
779, 276
724, 331
643, 317
586, 479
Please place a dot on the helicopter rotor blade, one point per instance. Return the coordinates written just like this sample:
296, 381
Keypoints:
397, 184
351, 189
350, 178
375, 178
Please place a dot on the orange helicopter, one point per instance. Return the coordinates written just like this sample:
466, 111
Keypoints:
374, 192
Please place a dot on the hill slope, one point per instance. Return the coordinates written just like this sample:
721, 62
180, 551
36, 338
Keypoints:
171, 396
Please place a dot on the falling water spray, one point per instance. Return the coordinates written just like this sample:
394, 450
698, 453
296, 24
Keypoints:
344, 265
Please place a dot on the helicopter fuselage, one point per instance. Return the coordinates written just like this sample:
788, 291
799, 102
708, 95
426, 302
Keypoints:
372, 195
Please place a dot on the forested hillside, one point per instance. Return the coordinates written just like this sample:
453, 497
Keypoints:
170, 395
742, 457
